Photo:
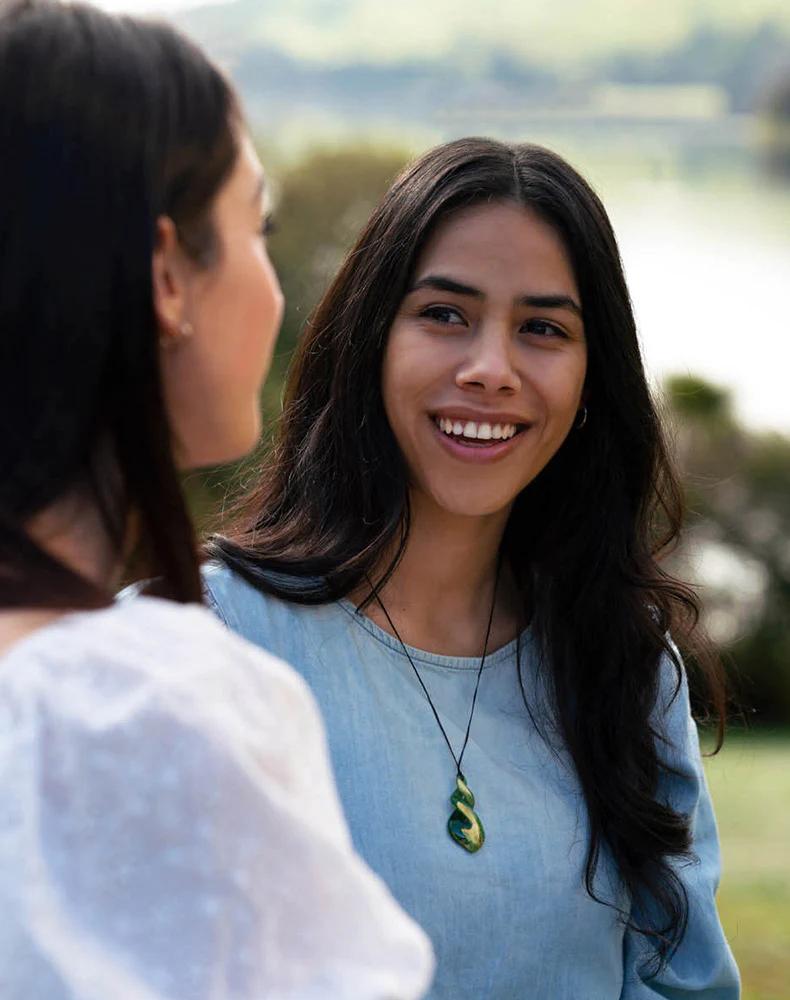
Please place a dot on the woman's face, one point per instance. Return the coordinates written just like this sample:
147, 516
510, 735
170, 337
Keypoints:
485, 363
231, 311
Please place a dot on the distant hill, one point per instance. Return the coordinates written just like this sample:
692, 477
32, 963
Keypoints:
411, 60
550, 35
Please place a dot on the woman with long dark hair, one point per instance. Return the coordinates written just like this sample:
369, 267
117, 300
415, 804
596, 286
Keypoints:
456, 539
170, 827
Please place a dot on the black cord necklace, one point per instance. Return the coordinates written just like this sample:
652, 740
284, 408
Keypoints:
464, 825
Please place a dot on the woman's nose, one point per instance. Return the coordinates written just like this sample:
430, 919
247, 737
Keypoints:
490, 363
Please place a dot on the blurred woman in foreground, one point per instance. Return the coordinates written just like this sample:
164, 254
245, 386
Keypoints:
170, 826
456, 541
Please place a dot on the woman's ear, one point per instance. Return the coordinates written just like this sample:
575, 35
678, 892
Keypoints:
168, 279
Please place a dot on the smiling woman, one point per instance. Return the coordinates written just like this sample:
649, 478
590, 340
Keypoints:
456, 542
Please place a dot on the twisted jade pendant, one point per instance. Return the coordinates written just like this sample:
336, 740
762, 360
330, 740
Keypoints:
464, 824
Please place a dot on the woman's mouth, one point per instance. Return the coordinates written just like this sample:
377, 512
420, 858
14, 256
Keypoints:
470, 432
477, 440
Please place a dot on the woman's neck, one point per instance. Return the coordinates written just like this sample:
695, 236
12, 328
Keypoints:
439, 597
73, 531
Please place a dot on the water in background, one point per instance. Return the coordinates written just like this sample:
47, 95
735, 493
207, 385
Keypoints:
705, 237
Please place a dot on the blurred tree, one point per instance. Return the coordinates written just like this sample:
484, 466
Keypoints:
321, 205
738, 488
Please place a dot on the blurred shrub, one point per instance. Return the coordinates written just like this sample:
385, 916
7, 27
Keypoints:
738, 545
321, 205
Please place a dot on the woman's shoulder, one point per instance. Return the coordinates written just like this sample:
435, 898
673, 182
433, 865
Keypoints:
270, 621
229, 594
144, 654
226, 586
672, 704
178, 734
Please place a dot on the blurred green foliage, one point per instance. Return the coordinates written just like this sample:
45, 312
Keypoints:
737, 482
322, 204
694, 399
738, 490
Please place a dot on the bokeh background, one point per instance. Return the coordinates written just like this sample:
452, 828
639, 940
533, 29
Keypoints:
678, 111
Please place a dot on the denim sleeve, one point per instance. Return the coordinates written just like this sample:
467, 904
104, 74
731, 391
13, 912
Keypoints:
702, 967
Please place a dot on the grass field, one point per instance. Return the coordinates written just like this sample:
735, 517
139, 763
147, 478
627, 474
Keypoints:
750, 784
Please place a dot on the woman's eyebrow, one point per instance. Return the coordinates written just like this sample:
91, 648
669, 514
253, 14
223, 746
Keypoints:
552, 300
440, 283
555, 301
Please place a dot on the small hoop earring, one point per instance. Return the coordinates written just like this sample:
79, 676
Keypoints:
580, 423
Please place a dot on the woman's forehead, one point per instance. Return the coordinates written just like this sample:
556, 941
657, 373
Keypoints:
503, 239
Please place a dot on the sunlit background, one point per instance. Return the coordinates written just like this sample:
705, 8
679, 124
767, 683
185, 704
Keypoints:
679, 113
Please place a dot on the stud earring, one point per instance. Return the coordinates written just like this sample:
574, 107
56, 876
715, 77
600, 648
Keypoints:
580, 423
172, 338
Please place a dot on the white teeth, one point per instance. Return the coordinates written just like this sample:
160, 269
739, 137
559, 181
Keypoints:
474, 431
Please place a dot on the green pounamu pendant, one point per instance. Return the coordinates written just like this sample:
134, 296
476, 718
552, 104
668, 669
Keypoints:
464, 825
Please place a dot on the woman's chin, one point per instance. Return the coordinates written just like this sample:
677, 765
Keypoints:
463, 502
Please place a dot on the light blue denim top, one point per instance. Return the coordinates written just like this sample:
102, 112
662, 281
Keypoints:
514, 919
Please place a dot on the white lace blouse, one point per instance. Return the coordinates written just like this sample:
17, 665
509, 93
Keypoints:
169, 826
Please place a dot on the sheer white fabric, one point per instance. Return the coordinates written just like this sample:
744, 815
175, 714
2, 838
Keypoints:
169, 826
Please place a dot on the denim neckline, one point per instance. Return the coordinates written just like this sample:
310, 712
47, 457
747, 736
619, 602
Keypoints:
495, 657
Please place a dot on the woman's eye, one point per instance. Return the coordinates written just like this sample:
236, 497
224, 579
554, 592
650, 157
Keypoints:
543, 328
268, 226
443, 314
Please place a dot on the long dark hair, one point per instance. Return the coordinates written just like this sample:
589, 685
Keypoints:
583, 539
106, 123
